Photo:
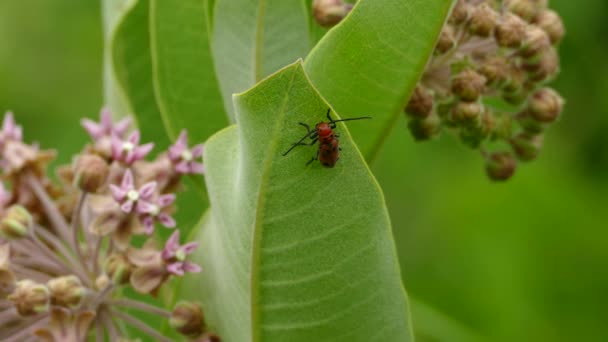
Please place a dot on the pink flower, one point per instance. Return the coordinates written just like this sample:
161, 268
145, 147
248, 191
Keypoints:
130, 198
154, 212
184, 158
105, 127
129, 151
175, 256
10, 130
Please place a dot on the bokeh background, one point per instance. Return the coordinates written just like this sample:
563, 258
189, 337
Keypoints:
522, 261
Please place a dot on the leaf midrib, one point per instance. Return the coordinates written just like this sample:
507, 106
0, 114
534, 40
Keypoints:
257, 224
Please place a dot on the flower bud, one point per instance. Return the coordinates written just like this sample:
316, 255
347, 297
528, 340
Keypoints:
468, 85
118, 268
510, 32
495, 70
420, 104
466, 113
526, 9
483, 20
472, 136
503, 126
187, 319
528, 123
7, 277
535, 42
30, 298
546, 67
66, 291
446, 41
545, 105
91, 172
328, 13
424, 128
551, 23
16, 223
500, 166
460, 12
102, 282
527, 146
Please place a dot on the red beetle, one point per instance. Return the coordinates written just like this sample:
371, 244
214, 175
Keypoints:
329, 146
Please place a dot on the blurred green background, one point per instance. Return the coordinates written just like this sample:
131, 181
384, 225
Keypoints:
522, 261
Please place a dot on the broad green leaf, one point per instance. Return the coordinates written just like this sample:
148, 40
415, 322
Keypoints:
133, 67
184, 105
252, 39
370, 63
185, 81
293, 252
112, 11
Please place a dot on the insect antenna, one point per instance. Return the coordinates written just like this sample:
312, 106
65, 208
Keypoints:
351, 119
308, 135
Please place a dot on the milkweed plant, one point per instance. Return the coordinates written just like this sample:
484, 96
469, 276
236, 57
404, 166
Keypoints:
284, 249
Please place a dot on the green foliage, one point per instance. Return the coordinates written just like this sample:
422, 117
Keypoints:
369, 64
295, 253
252, 39
534, 260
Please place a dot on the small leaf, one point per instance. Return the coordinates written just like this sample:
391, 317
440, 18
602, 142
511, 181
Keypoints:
252, 39
370, 63
293, 252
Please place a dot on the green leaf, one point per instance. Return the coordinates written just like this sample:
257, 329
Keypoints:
186, 85
294, 252
370, 63
133, 68
252, 39
185, 94
113, 11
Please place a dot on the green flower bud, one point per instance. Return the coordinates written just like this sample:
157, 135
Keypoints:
503, 126
483, 20
468, 85
500, 166
420, 104
187, 319
66, 291
466, 113
30, 298
91, 172
529, 124
527, 146
551, 23
545, 105
510, 32
424, 128
16, 223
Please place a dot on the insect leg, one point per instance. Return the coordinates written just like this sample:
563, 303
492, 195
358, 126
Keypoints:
316, 157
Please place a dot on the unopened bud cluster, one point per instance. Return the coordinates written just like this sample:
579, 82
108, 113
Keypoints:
66, 248
487, 81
